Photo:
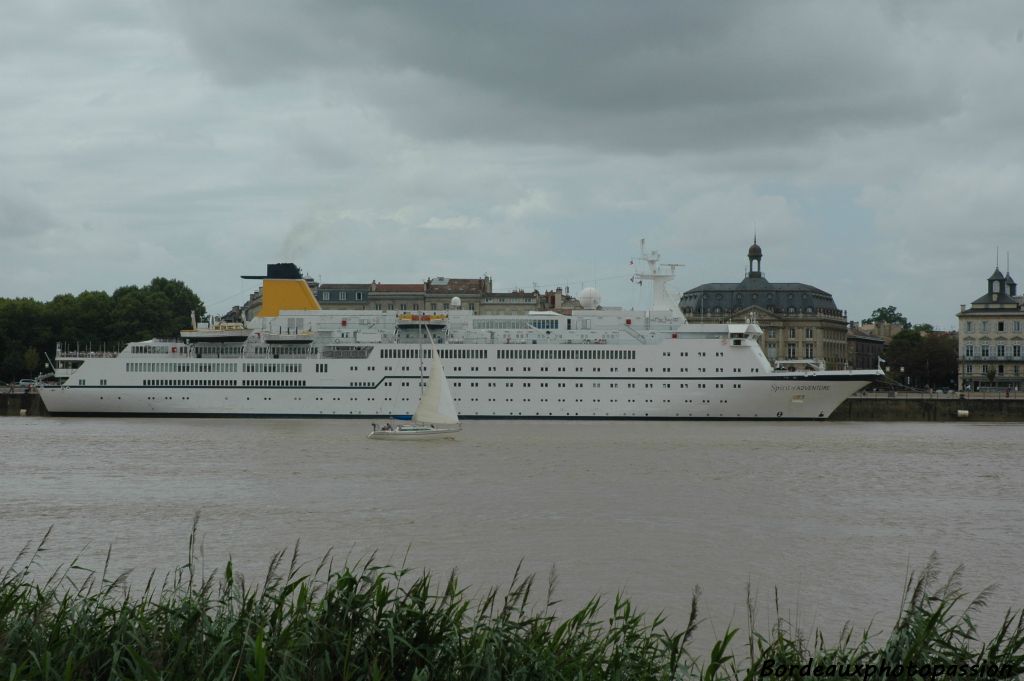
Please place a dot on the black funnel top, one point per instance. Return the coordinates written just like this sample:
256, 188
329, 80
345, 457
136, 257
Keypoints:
279, 270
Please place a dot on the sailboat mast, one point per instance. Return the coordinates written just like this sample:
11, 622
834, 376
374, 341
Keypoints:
422, 331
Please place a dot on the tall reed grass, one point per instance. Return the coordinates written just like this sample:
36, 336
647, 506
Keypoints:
368, 620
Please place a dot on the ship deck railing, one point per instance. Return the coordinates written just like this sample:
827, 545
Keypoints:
85, 354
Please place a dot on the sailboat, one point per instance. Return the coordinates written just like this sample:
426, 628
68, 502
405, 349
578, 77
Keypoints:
435, 417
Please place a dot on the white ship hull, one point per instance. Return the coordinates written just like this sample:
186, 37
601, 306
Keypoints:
632, 390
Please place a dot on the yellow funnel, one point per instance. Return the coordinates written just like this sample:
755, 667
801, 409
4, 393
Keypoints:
286, 294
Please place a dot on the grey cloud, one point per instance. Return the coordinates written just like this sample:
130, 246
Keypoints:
202, 139
600, 74
22, 217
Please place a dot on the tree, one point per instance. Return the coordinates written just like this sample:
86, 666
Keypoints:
23, 325
30, 360
11, 363
29, 328
158, 310
888, 315
927, 360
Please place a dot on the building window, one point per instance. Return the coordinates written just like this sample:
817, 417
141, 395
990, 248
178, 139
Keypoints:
808, 332
359, 296
792, 332
1016, 350
808, 350
771, 333
1001, 351
984, 350
970, 326
342, 295
984, 326
1016, 325
790, 350
1000, 325
968, 351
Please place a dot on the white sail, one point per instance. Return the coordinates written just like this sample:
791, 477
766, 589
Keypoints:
436, 406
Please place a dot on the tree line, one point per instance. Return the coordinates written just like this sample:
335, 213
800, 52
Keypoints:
31, 329
918, 355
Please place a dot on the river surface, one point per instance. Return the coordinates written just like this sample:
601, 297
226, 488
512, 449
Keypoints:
833, 514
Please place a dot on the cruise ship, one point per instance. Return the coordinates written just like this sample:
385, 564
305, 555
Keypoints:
297, 360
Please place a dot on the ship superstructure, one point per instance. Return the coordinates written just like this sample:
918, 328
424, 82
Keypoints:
296, 360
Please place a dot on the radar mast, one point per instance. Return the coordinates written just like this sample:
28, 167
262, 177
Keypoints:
659, 276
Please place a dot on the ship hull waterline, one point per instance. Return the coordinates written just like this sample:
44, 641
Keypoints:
762, 398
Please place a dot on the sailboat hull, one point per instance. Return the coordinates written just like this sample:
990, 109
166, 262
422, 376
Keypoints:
416, 432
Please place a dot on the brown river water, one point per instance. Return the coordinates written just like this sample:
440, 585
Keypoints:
832, 514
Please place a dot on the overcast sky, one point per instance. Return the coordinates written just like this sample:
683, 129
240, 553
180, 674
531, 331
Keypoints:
875, 147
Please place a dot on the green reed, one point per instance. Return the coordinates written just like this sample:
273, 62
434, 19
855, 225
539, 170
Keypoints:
373, 621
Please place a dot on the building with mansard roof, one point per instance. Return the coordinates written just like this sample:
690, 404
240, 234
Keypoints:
800, 322
433, 295
991, 338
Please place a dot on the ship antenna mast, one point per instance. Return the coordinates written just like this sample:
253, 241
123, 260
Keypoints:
661, 299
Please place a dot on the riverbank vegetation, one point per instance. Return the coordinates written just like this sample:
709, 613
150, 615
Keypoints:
923, 358
30, 329
372, 621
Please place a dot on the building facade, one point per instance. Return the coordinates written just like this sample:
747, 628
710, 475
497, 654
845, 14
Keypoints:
346, 296
992, 338
800, 322
434, 295
863, 348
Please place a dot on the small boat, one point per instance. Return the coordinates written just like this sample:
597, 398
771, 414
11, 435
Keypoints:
435, 417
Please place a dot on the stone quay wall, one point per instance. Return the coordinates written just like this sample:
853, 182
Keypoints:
932, 407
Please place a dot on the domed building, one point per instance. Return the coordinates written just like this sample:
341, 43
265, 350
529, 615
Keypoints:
800, 322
